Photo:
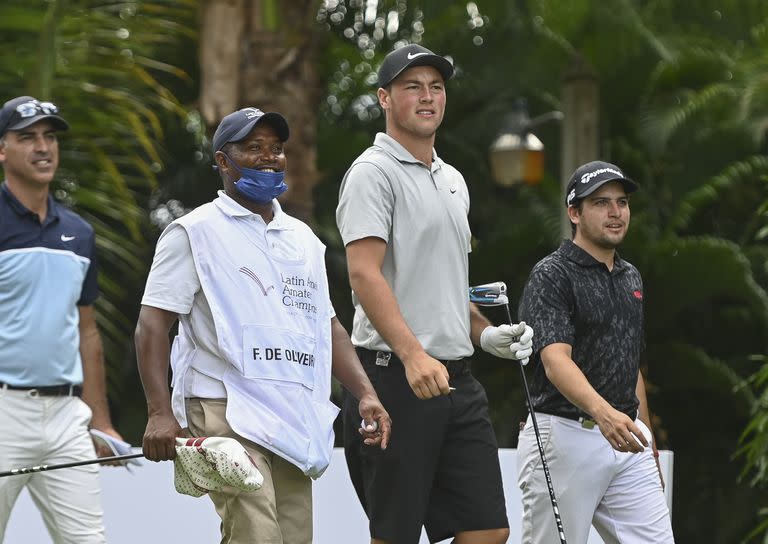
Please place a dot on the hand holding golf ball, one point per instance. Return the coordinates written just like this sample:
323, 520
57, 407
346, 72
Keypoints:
371, 427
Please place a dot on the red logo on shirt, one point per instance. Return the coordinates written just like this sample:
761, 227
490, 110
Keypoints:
638, 294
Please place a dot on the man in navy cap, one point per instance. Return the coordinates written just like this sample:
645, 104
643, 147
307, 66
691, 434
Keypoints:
258, 338
402, 214
586, 304
50, 349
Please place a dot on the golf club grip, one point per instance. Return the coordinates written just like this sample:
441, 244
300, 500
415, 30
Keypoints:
42, 468
489, 294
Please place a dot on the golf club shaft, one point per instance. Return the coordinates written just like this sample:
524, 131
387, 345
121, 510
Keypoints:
42, 468
544, 465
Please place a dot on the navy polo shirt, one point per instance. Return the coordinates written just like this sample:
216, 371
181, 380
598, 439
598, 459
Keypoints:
46, 271
572, 298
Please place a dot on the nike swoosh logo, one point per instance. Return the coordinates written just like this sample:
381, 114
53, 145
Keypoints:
453, 190
414, 55
65, 238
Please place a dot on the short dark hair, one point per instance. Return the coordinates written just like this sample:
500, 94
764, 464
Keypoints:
227, 150
578, 204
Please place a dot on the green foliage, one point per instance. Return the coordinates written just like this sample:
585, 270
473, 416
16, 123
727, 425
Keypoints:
754, 443
754, 439
105, 64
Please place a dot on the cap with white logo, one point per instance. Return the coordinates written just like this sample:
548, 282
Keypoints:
399, 60
239, 124
589, 177
23, 111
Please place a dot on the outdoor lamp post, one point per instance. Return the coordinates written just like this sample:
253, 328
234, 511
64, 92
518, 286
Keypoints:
517, 155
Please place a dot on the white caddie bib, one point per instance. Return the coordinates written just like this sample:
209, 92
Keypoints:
273, 324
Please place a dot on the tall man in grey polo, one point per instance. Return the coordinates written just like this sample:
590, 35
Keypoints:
418, 210
403, 217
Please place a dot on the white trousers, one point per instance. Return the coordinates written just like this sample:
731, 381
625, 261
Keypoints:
619, 493
37, 430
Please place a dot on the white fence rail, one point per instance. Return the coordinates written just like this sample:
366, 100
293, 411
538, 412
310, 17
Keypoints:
144, 507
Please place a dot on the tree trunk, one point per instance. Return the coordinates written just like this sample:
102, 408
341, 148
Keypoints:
263, 53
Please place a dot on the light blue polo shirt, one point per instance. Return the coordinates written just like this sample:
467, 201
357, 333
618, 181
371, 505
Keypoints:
46, 271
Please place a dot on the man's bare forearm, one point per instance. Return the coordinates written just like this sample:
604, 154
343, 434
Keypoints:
426, 376
566, 376
94, 374
477, 323
153, 357
346, 366
382, 309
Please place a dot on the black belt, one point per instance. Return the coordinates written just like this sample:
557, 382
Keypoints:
385, 358
65, 390
457, 367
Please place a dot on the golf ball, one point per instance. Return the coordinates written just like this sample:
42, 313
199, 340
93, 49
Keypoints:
375, 426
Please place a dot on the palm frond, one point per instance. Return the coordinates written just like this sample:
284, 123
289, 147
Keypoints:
106, 72
747, 170
684, 367
723, 274
754, 440
659, 123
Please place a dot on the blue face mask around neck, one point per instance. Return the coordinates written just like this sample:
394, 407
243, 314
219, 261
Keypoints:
257, 185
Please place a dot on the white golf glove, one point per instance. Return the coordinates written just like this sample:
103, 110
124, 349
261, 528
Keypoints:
508, 341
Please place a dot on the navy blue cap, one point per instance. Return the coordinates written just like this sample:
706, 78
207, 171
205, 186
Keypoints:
399, 60
237, 125
589, 177
23, 111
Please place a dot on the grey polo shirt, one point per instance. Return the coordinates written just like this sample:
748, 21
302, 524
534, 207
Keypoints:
421, 213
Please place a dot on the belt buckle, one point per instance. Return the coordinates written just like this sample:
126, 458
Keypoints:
382, 358
587, 423
33, 393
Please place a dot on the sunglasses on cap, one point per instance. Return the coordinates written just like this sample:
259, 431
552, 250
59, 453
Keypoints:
33, 107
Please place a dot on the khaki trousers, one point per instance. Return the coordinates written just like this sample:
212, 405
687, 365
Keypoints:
278, 513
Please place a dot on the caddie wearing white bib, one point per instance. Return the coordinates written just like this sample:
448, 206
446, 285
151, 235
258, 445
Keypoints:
258, 339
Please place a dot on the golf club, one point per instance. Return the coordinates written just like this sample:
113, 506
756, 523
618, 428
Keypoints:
41, 468
495, 294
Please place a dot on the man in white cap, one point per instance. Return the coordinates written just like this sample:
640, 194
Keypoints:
258, 339
588, 394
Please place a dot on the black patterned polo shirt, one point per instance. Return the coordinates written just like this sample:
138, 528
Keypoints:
572, 298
